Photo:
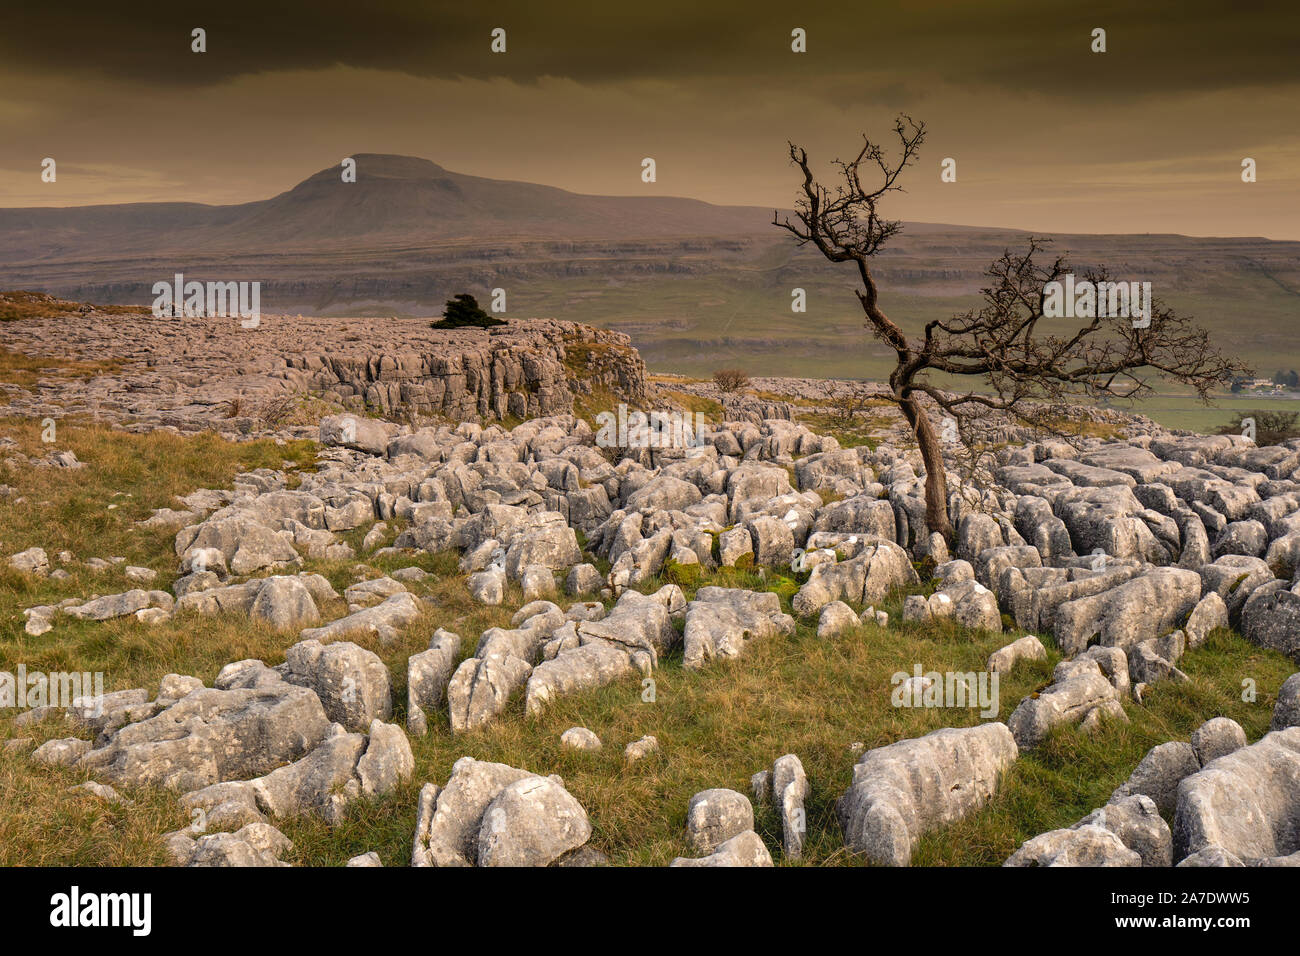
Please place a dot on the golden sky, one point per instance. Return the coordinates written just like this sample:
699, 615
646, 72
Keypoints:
1047, 135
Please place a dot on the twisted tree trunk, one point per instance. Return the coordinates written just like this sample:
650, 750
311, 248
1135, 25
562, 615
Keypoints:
936, 478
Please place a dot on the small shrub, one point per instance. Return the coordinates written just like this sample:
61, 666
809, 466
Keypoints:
463, 312
1271, 428
846, 404
683, 575
274, 412
730, 379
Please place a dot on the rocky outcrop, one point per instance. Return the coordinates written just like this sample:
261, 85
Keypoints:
250, 722
524, 369
1246, 803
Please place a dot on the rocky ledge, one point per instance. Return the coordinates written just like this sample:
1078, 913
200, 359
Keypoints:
212, 373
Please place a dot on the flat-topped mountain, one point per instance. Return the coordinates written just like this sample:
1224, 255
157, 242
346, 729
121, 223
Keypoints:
396, 200
697, 286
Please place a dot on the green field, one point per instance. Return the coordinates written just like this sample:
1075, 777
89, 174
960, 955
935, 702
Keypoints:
741, 317
1185, 412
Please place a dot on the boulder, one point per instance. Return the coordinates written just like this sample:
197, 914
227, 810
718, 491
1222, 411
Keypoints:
257, 723
480, 688
1209, 614
1082, 846
1271, 619
1286, 712
427, 675
118, 605
1159, 773
32, 561
63, 752
663, 493
715, 816
285, 603
789, 785
1005, 658
494, 814
1142, 608
489, 586
836, 618
1077, 688
1217, 737
905, 789
640, 749
385, 621
1137, 822
744, 849
721, 621
579, 738
1246, 802
388, 760
583, 579
353, 431
531, 822
773, 541
352, 683
870, 577
257, 844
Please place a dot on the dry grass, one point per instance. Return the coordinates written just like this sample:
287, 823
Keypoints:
18, 305
711, 410
26, 371
861, 430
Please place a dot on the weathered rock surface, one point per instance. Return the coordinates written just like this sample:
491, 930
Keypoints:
248, 724
1078, 689
352, 683
905, 789
490, 814
744, 849
715, 816
427, 675
721, 621
1246, 802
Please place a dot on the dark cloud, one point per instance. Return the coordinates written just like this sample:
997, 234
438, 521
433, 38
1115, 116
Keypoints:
1162, 45
1047, 135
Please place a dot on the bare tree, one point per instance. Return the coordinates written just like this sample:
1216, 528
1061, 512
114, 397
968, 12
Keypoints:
1030, 371
731, 379
846, 403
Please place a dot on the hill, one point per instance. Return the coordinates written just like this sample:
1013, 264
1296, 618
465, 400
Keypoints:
696, 285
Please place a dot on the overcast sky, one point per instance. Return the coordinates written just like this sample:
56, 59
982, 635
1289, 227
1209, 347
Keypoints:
1047, 135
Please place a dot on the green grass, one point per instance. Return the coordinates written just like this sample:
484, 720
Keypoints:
716, 727
737, 313
1183, 411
